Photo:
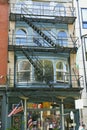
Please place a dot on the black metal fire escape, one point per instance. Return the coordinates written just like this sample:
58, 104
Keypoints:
27, 17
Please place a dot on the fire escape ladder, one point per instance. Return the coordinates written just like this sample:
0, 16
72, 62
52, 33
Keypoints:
35, 65
27, 20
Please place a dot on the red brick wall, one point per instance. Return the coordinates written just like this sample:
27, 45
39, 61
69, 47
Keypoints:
3, 39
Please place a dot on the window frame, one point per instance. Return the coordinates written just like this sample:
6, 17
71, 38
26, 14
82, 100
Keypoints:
19, 71
62, 39
21, 37
84, 22
64, 72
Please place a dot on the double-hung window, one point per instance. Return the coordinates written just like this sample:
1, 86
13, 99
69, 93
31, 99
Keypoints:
62, 38
84, 17
21, 37
23, 71
62, 71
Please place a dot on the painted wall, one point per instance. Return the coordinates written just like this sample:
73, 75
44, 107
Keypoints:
3, 40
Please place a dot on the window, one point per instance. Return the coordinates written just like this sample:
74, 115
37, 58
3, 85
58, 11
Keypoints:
40, 41
85, 47
61, 71
40, 8
84, 17
62, 38
23, 71
20, 37
46, 68
60, 10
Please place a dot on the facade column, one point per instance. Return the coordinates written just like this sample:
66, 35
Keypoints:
25, 112
62, 112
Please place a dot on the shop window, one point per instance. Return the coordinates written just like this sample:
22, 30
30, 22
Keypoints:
62, 38
23, 71
84, 17
61, 71
21, 37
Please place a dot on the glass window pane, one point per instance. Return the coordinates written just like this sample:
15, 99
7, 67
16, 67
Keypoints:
59, 66
23, 76
23, 71
59, 75
62, 38
20, 37
84, 14
24, 65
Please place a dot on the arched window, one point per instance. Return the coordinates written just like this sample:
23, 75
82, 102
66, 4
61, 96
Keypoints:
23, 71
21, 37
61, 71
62, 38
60, 10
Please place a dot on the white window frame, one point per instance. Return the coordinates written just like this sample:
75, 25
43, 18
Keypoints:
64, 71
18, 70
84, 17
21, 36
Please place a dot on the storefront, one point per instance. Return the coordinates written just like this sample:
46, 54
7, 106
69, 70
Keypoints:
44, 110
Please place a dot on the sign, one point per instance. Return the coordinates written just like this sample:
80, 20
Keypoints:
79, 104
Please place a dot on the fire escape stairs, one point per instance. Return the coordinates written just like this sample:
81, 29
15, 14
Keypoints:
36, 64
27, 20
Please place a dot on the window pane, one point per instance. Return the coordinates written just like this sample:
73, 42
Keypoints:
62, 38
24, 65
48, 66
59, 66
59, 75
84, 17
23, 76
84, 14
60, 10
46, 69
23, 71
20, 37
62, 71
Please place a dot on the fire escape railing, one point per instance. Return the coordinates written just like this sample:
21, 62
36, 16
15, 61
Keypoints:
34, 40
29, 18
76, 81
42, 10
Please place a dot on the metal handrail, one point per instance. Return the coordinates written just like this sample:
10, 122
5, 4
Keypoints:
75, 82
42, 10
33, 40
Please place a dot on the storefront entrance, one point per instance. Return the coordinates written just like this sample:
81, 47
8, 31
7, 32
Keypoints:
47, 116
43, 116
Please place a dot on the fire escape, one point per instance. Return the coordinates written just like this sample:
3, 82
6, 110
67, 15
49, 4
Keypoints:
49, 45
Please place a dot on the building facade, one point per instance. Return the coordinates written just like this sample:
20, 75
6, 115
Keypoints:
41, 70
4, 22
81, 32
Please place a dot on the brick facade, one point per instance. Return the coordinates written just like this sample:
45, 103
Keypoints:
3, 40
